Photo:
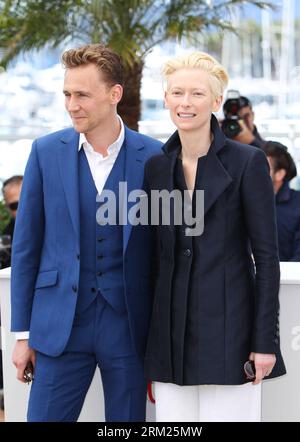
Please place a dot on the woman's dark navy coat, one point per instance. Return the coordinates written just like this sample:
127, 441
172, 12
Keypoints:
237, 304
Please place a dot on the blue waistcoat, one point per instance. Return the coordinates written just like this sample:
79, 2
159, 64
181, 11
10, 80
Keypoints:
101, 246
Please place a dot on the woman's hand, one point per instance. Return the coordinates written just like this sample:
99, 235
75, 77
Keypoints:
264, 364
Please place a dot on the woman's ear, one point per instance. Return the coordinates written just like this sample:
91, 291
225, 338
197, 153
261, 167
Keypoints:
166, 100
217, 103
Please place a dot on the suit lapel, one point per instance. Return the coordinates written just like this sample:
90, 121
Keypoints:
134, 175
68, 167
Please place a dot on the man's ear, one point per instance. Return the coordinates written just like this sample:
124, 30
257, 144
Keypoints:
116, 93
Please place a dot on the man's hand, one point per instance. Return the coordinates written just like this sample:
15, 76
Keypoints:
264, 364
22, 357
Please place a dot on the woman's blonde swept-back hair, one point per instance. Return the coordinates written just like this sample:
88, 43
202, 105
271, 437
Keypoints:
218, 76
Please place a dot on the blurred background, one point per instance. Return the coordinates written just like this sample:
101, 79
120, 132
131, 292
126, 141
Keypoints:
257, 41
262, 58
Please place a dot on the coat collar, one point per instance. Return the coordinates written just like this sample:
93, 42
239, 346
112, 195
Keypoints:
173, 146
213, 179
284, 193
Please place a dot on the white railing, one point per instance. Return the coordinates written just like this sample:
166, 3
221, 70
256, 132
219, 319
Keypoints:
280, 396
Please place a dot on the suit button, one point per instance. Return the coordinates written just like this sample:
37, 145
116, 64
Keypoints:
100, 256
93, 290
100, 273
78, 256
276, 341
187, 252
74, 288
100, 239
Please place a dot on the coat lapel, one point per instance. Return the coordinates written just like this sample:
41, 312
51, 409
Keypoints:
68, 167
134, 175
171, 149
213, 179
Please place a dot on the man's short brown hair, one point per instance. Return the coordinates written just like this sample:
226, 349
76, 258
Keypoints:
108, 62
282, 159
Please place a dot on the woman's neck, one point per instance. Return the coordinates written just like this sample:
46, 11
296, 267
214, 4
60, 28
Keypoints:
195, 144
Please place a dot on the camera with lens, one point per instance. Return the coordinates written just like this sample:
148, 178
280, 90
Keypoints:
5, 251
234, 102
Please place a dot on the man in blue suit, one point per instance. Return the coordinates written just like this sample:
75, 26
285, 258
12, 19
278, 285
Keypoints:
80, 289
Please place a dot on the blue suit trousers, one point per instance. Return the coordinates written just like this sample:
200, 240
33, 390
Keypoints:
99, 336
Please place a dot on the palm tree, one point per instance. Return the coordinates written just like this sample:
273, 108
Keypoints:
130, 27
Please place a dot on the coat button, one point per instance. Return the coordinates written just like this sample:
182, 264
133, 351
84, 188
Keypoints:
78, 256
276, 341
100, 239
100, 256
100, 273
74, 288
187, 252
93, 290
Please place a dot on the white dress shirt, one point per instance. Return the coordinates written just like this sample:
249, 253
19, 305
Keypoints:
100, 167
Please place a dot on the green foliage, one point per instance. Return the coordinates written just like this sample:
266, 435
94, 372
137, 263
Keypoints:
130, 27
4, 216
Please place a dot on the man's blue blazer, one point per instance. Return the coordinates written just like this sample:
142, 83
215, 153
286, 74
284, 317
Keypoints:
46, 246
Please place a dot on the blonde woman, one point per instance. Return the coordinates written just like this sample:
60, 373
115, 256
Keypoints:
212, 311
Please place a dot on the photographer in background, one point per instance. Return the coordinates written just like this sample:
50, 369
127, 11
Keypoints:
239, 120
282, 171
11, 192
